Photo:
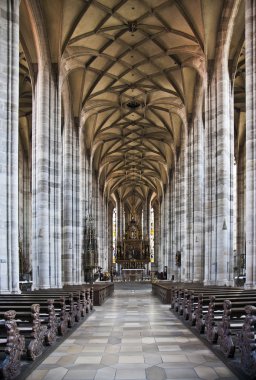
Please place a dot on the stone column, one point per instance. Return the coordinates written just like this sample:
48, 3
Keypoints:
220, 158
25, 208
197, 174
110, 235
100, 227
161, 234
177, 217
77, 254
188, 263
89, 181
46, 165
241, 209
67, 217
82, 197
145, 212
105, 233
219, 180
156, 235
121, 218
95, 210
117, 217
181, 209
250, 54
146, 217
71, 256
46, 205
9, 132
119, 206
166, 231
198, 196
173, 269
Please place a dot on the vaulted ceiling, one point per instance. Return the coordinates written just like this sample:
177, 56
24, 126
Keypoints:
132, 67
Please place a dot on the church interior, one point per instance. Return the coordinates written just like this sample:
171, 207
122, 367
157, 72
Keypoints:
128, 171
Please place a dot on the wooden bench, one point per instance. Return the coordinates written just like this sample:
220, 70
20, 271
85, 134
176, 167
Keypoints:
39, 315
246, 342
80, 299
163, 291
38, 325
52, 312
88, 293
230, 324
12, 345
209, 311
226, 315
193, 305
183, 297
75, 302
102, 291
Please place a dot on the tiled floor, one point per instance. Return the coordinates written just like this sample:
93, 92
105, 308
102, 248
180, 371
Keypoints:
132, 337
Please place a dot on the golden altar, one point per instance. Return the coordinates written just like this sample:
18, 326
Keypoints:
133, 251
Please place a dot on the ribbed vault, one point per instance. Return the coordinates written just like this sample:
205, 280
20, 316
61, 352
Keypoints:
132, 67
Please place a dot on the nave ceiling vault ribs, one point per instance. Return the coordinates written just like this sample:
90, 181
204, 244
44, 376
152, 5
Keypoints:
132, 90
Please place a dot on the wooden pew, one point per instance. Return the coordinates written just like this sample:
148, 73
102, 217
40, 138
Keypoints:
52, 312
37, 325
193, 305
88, 293
183, 296
102, 291
78, 302
230, 324
163, 291
37, 318
205, 311
99, 291
12, 345
209, 311
246, 342
226, 315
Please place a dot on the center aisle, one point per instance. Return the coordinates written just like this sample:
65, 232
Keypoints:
132, 337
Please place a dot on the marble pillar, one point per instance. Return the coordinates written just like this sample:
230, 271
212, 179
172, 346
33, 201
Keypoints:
155, 266
83, 207
220, 158
241, 209
47, 162
173, 269
9, 132
67, 204
250, 54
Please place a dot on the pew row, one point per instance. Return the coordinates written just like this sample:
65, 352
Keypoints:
225, 317
12, 345
34, 319
101, 291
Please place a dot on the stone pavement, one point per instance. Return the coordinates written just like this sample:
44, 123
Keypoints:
132, 337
